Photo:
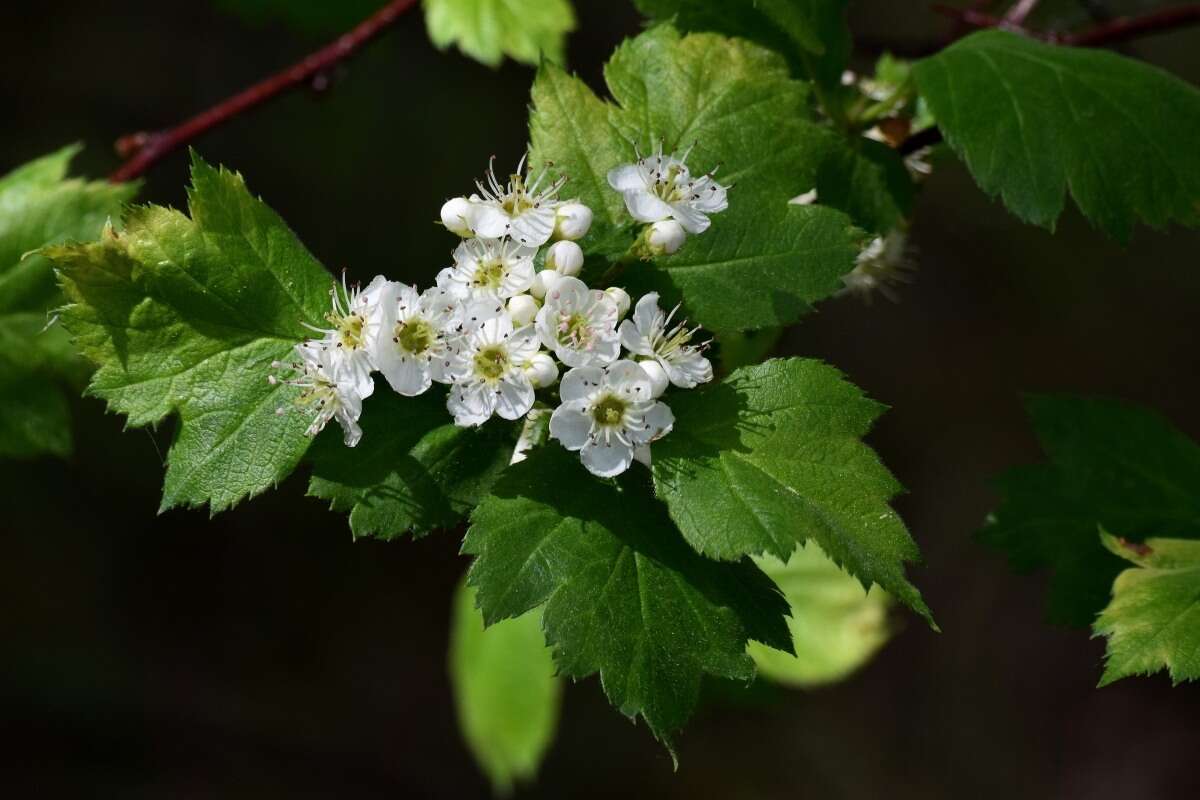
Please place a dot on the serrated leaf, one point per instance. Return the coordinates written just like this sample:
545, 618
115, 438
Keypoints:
506, 691
489, 30
836, 625
762, 263
1153, 621
811, 33
624, 595
185, 315
1032, 120
413, 471
1110, 464
772, 456
39, 206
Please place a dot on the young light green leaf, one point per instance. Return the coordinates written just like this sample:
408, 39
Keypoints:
413, 471
1153, 621
763, 262
505, 690
624, 595
186, 315
39, 206
811, 33
1032, 120
836, 625
489, 30
1110, 464
772, 456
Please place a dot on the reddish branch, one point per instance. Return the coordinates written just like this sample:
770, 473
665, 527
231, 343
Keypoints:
142, 150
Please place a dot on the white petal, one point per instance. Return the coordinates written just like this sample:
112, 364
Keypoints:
645, 207
626, 177
633, 339
642, 453
648, 316
660, 419
628, 379
488, 221
692, 220
514, 397
607, 459
522, 344
712, 199
470, 405
568, 293
570, 426
580, 383
407, 376
518, 278
533, 227
687, 371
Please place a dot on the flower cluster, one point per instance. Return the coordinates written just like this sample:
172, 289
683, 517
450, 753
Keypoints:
496, 330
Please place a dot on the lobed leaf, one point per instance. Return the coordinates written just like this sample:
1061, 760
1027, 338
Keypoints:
624, 595
771, 457
1033, 120
185, 315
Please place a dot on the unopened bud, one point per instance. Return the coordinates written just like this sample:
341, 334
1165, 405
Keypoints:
665, 237
543, 282
542, 371
456, 213
657, 375
522, 309
572, 221
620, 297
565, 258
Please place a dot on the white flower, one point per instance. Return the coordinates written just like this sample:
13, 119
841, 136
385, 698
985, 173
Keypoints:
456, 216
647, 335
665, 237
524, 209
579, 324
565, 258
572, 221
881, 267
660, 187
322, 393
416, 337
489, 368
489, 268
355, 318
607, 413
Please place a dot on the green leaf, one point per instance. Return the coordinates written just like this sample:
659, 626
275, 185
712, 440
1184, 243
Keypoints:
505, 689
413, 472
186, 315
39, 206
1032, 120
867, 180
1153, 621
836, 625
624, 595
762, 263
811, 33
772, 456
489, 30
1110, 464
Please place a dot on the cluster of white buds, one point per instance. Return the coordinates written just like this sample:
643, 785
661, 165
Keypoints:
496, 330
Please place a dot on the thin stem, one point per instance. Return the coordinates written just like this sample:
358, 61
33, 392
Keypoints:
143, 150
1126, 28
1020, 12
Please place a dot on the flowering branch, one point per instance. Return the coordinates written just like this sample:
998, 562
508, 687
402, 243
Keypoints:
144, 149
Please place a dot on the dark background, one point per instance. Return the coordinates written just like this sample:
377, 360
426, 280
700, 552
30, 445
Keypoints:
264, 653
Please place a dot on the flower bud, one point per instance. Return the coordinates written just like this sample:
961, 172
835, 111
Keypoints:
456, 213
657, 375
543, 282
572, 221
665, 237
565, 258
620, 297
522, 309
542, 370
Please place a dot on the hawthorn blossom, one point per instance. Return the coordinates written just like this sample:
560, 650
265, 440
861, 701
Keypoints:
647, 335
323, 393
579, 324
523, 209
489, 267
488, 368
416, 337
883, 265
661, 187
606, 414
355, 319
